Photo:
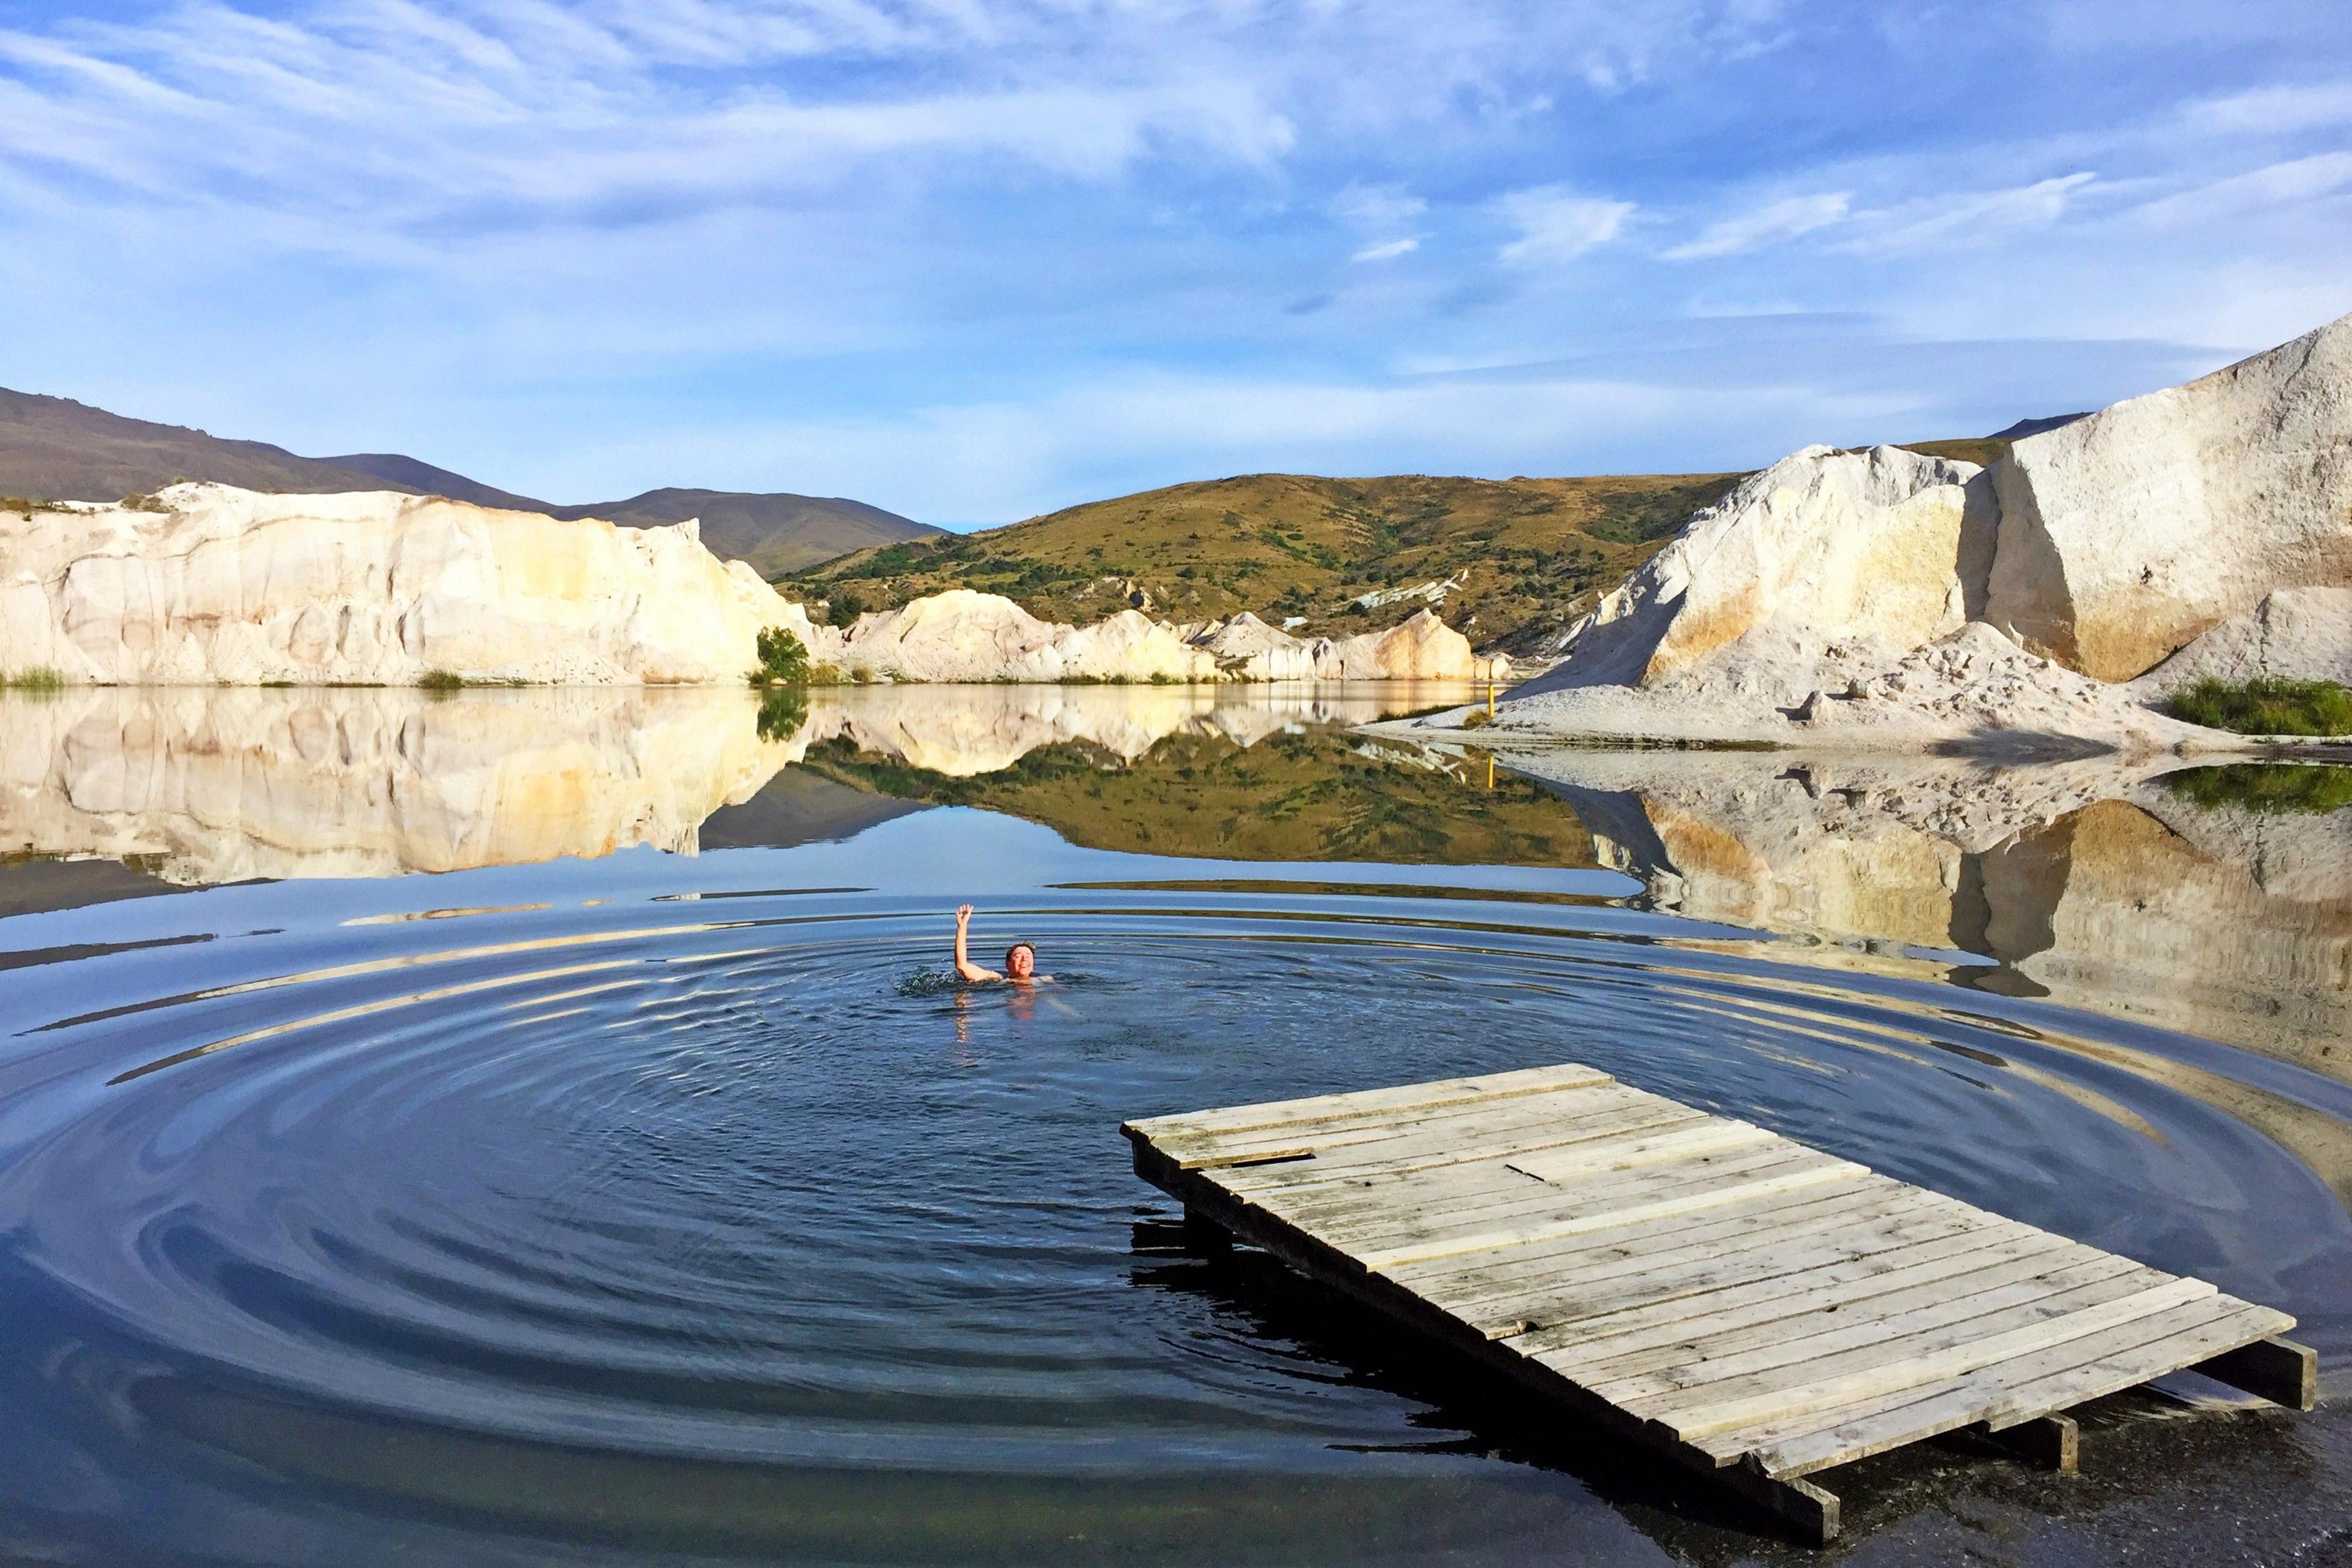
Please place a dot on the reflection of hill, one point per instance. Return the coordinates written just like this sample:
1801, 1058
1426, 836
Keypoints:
1310, 795
214, 785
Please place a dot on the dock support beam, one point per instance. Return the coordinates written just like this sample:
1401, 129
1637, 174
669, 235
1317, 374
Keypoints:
2280, 1371
2053, 1442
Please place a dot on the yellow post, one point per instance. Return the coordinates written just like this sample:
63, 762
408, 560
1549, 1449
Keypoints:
1490, 772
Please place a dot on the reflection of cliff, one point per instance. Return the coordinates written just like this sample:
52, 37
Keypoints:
1236, 773
2090, 883
203, 786
965, 730
199, 785
2087, 881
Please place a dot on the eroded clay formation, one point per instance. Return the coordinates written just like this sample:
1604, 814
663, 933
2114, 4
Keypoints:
1886, 597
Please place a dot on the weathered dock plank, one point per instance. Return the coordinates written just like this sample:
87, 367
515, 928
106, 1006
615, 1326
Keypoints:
1756, 1309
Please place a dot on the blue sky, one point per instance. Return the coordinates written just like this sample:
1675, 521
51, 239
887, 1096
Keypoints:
975, 259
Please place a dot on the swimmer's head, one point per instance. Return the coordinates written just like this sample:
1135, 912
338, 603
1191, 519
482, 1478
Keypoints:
1020, 961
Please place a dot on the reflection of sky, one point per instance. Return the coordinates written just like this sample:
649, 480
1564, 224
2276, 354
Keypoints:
972, 261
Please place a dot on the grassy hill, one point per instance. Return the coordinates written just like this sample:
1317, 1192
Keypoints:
1528, 553
52, 448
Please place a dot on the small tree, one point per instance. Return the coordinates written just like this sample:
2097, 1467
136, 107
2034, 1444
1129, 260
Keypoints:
784, 660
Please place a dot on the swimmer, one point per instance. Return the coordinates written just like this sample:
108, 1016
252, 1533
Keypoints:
1020, 960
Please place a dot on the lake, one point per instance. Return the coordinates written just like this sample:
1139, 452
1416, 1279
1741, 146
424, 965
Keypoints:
536, 1127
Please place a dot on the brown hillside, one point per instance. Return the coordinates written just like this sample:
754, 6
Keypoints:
1530, 552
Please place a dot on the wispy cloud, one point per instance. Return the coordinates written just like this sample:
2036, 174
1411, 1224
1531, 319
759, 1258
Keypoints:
587, 244
1556, 224
1972, 220
1767, 224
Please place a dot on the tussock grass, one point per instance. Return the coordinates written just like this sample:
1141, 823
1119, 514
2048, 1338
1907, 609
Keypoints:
442, 680
38, 678
2266, 706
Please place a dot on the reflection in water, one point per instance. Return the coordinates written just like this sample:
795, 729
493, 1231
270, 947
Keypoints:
680, 1210
2090, 882
200, 787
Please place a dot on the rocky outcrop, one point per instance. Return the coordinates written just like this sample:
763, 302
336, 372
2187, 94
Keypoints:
2126, 535
2302, 634
1248, 650
206, 584
1823, 547
962, 636
1891, 599
1422, 648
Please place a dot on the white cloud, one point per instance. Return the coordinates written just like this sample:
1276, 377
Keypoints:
2273, 110
2277, 185
1973, 218
1556, 224
1387, 249
1767, 224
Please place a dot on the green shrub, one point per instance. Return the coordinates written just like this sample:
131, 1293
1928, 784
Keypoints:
2304, 787
2266, 706
844, 607
442, 680
40, 677
784, 660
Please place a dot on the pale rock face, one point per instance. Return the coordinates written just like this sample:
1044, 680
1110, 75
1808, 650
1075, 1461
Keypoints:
2127, 534
1246, 649
1422, 648
221, 585
1824, 546
2293, 634
961, 635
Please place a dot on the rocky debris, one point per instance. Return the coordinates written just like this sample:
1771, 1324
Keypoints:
2303, 633
2125, 535
1974, 690
206, 584
963, 636
1823, 545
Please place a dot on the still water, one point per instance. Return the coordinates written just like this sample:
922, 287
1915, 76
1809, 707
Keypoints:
540, 1127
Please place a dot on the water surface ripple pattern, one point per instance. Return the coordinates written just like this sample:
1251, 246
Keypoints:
686, 1202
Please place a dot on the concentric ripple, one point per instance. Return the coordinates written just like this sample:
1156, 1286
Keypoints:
684, 1206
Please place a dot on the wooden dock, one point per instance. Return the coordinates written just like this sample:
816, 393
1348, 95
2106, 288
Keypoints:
1752, 1307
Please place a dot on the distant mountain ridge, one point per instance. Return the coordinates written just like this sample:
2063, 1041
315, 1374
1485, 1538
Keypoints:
54, 449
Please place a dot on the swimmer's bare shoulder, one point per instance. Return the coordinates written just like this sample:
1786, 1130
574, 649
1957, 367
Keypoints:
1020, 959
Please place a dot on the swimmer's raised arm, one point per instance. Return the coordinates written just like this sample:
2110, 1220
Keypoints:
965, 968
